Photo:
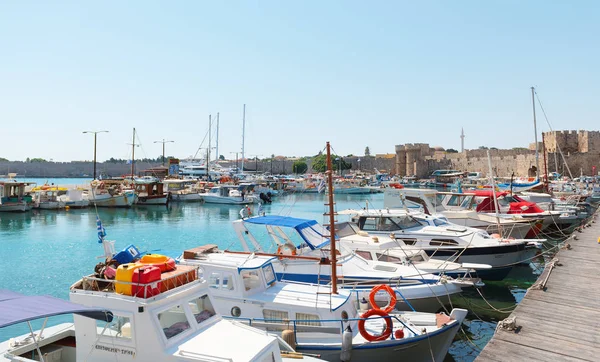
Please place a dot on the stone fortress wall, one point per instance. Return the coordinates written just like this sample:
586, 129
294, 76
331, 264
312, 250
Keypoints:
581, 151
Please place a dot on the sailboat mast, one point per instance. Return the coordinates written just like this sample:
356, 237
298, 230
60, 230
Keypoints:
243, 136
494, 193
217, 148
133, 155
537, 154
331, 223
209, 144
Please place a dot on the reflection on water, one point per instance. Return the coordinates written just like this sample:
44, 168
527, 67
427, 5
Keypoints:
45, 251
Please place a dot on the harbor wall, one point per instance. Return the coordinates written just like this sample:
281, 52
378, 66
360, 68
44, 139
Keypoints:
69, 169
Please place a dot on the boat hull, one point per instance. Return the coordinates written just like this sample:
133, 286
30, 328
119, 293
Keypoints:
210, 199
123, 200
434, 346
152, 200
186, 197
15, 207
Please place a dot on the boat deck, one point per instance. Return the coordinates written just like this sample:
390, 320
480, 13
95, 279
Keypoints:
560, 321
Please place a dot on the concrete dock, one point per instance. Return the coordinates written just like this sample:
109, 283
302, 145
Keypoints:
559, 318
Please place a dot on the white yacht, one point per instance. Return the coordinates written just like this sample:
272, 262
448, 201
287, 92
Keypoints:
229, 194
182, 190
13, 196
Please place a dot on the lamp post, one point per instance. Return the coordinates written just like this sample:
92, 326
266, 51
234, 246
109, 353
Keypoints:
95, 138
163, 145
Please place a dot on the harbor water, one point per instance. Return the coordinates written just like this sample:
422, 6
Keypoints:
44, 251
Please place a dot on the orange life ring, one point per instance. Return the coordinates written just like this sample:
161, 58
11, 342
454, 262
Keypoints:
286, 246
391, 305
369, 337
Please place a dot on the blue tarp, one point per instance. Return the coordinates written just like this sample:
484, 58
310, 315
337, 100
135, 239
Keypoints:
309, 230
284, 221
18, 308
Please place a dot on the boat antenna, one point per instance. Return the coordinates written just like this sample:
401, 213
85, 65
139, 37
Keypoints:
331, 222
243, 135
494, 192
537, 154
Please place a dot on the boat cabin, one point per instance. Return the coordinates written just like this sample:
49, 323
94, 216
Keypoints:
149, 188
14, 196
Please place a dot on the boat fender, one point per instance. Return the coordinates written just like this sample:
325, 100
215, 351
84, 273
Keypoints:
289, 247
346, 354
289, 337
399, 334
391, 305
364, 305
369, 337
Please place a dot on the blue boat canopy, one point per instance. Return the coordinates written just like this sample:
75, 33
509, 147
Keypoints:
18, 308
309, 230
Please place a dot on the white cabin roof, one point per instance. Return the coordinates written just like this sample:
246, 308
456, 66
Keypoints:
293, 295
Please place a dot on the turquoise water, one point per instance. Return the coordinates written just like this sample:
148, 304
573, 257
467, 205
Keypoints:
44, 252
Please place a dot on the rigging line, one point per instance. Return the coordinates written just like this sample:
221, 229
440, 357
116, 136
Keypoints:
549, 125
201, 143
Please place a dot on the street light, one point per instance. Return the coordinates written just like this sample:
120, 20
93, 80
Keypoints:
163, 143
95, 137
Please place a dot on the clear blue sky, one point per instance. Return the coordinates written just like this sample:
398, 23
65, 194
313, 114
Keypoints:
357, 73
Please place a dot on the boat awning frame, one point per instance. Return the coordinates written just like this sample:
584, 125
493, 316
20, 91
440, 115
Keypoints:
306, 228
18, 308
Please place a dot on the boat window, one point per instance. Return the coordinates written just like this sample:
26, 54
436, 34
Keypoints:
214, 280
388, 258
404, 222
269, 273
440, 222
228, 281
201, 308
275, 315
251, 279
119, 328
417, 258
364, 254
454, 200
466, 202
442, 242
388, 224
173, 321
368, 223
306, 319
409, 241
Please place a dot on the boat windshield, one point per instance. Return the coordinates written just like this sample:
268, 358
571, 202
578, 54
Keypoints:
392, 223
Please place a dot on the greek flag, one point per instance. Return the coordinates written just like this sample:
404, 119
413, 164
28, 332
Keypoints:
321, 186
101, 231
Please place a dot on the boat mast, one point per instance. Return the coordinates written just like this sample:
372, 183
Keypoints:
547, 180
537, 155
217, 148
243, 135
133, 155
209, 144
494, 192
331, 222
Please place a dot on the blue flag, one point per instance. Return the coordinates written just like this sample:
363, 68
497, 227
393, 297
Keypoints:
101, 231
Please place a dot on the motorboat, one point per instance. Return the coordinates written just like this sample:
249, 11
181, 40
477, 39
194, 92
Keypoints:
182, 190
229, 194
14, 196
399, 230
304, 260
319, 319
430, 202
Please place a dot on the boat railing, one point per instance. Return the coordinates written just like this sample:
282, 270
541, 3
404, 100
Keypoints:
195, 356
169, 280
304, 325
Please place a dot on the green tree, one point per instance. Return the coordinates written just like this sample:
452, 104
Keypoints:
451, 150
2, 159
300, 167
38, 160
367, 151
483, 148
221, 158
320, 163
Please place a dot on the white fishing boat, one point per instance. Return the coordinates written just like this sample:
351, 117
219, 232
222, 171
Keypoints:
319, 319
150, 192
108, 193
47, 200
182, 190
229, 194
74, 199
14, 197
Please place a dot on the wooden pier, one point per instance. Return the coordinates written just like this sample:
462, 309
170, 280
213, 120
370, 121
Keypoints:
559, 318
